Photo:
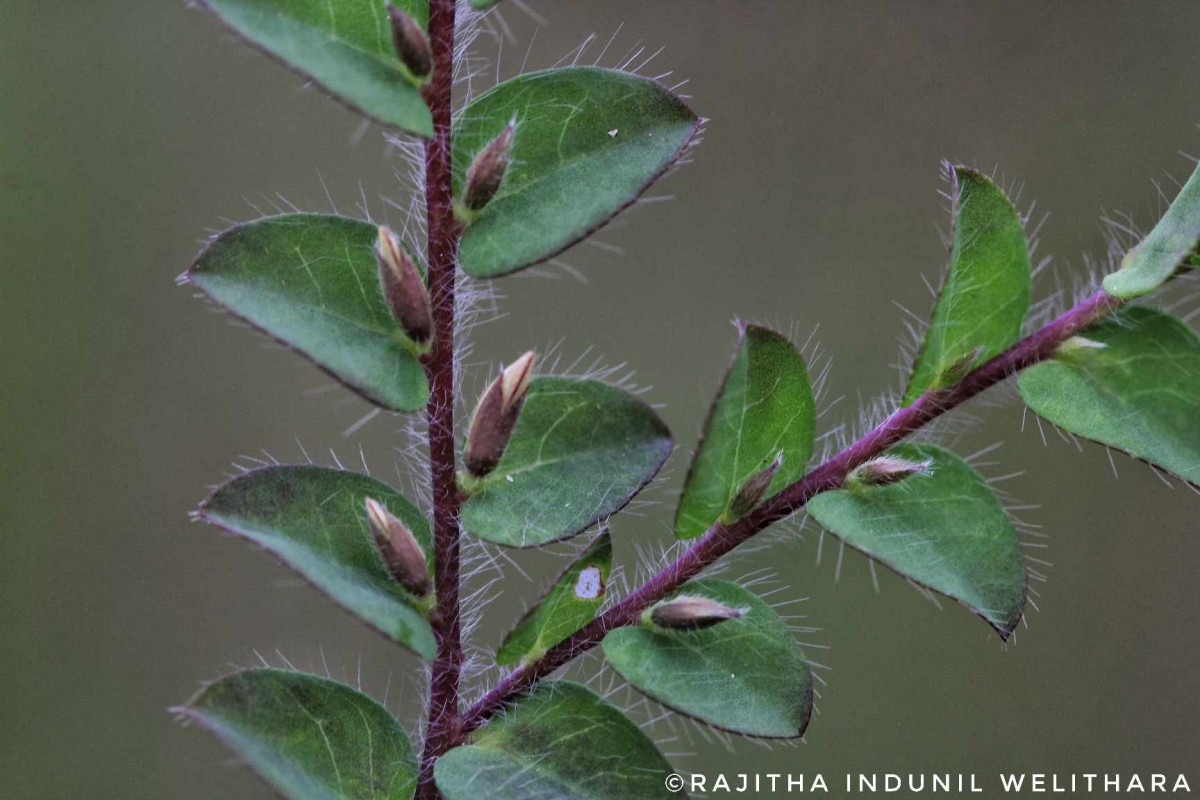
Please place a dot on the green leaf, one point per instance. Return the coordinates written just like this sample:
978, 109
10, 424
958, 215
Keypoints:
945, 530
746, 675
561, 742
983, 302
764, 409
1132, 383
571, 602
1164, 250
588, 143
313, 518
483, 5
581, 450
312, 282
344, 45
309, 738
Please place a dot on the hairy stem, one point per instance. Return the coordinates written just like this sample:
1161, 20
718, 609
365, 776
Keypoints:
444, 720
720, 539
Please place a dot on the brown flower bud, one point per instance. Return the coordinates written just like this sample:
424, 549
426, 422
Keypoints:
486, 172
692, 612
399, 548
412, 44
887, 469
752, 491
496, 415
403, 287
959, 369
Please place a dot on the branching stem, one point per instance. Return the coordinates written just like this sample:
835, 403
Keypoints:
720, 539
444, 715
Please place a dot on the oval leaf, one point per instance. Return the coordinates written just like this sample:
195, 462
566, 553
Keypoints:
312, 282
581, 450
562, 742
764, 410
1164, 250
985, 296
571, 602
746, 675
309, 738
588, 142
1132, 383
344, 45
314, 519
945, 530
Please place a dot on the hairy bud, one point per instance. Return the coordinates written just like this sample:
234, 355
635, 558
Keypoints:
412, 45
403, 287
692, 612
496, 415
752, 491
486, 172
886, 469
1077, 345
399, 548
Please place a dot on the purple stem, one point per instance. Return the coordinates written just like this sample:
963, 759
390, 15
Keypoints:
444, 721
720, 539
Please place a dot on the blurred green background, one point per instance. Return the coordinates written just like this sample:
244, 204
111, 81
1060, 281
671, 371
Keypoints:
130, 130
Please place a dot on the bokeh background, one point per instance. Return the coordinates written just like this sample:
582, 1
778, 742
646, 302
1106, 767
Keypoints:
130, 130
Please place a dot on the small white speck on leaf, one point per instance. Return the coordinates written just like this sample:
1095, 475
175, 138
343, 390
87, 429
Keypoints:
590, 585
613, 132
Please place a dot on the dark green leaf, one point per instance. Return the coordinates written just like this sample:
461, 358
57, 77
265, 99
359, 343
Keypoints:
945, 530
571, 602
314, 519
588, 142
344, 45
1164, 250
312, 282
983, 302
561, 742
746, 675
581, 450
308, 737
483, 5
764, 409
1132, 383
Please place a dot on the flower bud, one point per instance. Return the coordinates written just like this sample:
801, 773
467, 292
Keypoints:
403, 287
959, 369
752, 491
496, 415
1077, 345
412, 44
399, 548
692, 612
486, 172
886, 469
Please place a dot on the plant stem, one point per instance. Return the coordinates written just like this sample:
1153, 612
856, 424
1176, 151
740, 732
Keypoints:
444, 715
720, 539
